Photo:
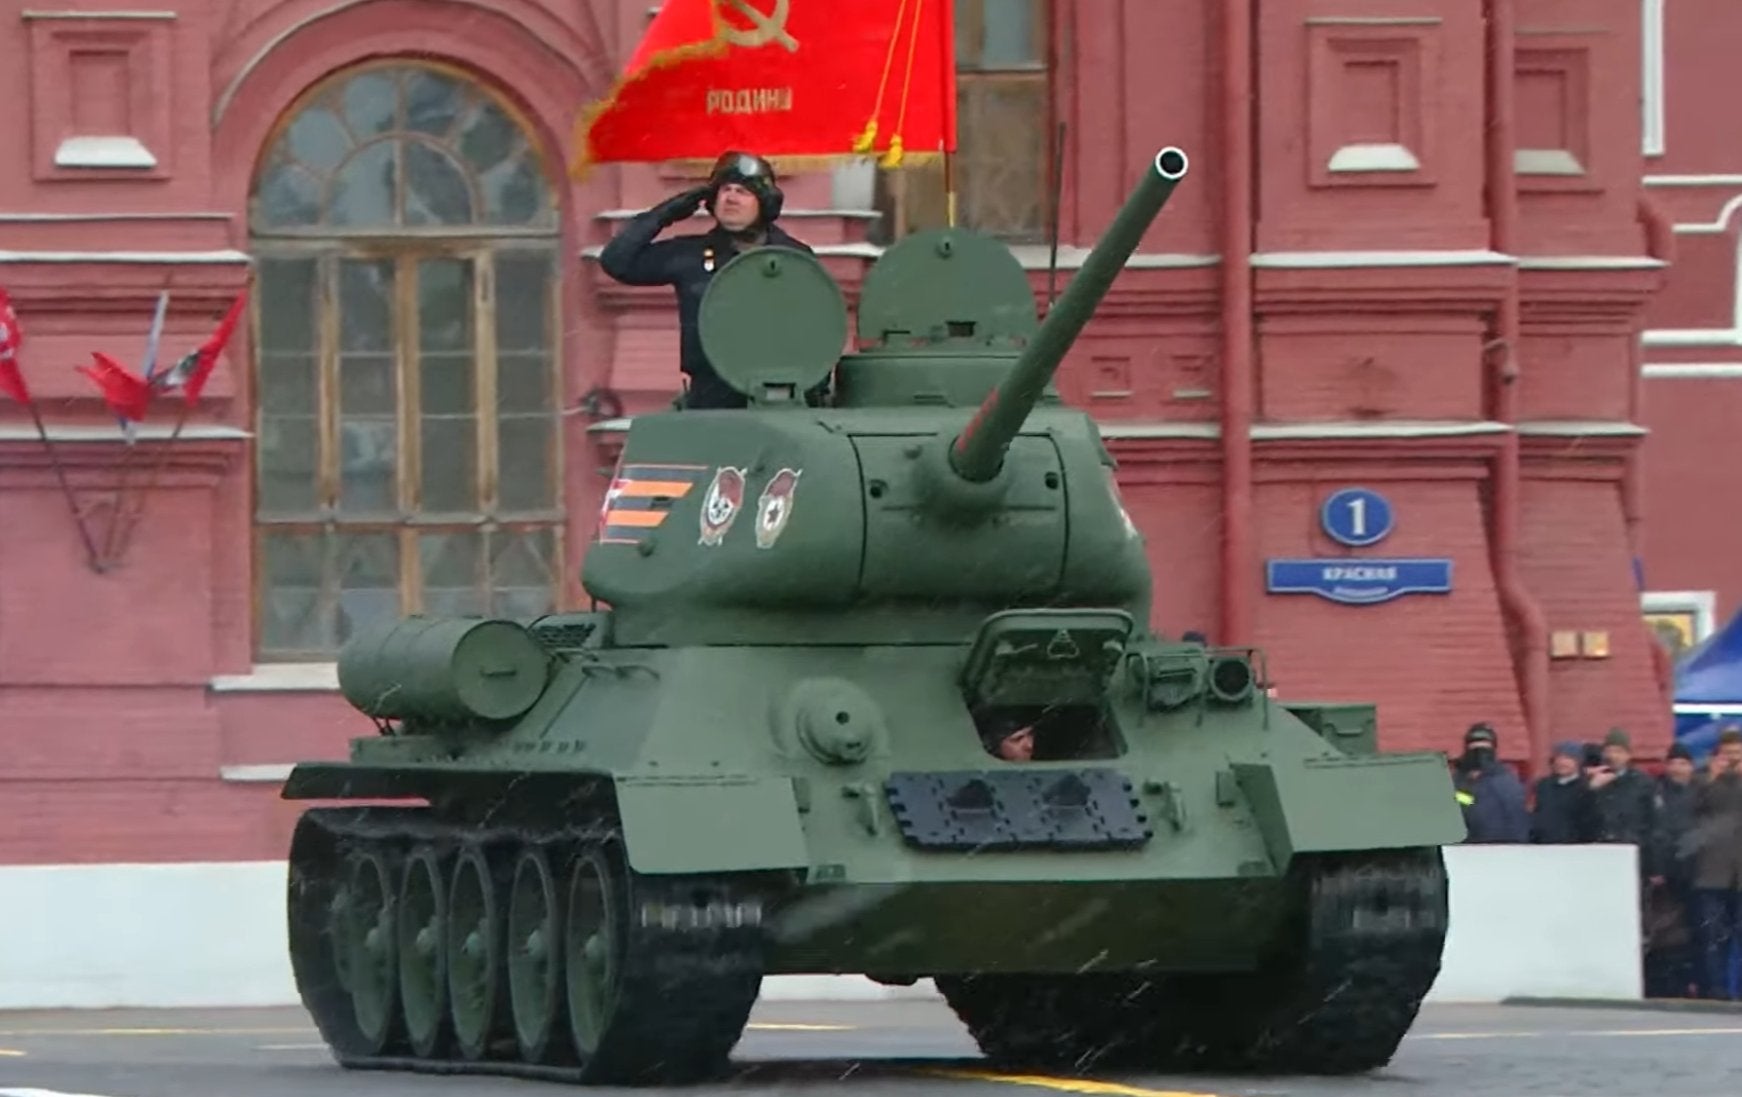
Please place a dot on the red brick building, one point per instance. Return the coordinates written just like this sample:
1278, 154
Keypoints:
1693, 339
1413, 257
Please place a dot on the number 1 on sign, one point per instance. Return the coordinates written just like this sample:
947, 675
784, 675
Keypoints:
1358, 510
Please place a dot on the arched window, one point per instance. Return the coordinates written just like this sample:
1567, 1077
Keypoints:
408, 390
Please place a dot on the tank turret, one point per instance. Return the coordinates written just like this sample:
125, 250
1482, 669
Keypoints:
895, 499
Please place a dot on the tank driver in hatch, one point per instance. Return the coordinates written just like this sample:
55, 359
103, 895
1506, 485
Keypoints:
745, 199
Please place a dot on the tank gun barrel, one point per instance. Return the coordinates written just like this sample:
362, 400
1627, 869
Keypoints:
978, 452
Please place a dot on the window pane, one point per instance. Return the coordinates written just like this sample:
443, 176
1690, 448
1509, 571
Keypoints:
450, 464
288, 196
289, 471
1009, 36
294, 620
286, 298
446, 377
1003, 166
371, 101
522, 575
487, 138
362, 193
435, 191
514, 192
453, 573
368, 570
317, 140
525, 478
432, 102
522, 302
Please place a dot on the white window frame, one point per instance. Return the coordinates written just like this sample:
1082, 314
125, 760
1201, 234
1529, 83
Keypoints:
1651, 78
1703, 604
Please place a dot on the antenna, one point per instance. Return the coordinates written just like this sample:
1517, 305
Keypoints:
1058, 186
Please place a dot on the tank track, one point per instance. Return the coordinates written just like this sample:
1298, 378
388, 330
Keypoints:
436, 948
1337, 997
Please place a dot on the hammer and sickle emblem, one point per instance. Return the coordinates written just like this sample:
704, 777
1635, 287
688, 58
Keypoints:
769, 26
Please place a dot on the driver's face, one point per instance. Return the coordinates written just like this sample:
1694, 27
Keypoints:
1018, 746
735, 207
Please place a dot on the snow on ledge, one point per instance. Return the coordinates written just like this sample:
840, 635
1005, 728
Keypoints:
227, 255
103, 152
281, 678
147, 432
1303, 260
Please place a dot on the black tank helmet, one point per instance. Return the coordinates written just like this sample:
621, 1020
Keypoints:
751, 171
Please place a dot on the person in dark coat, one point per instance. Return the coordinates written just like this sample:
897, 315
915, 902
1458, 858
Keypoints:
744, 198
1671, 970
1626, 802
1491, 794
1717, 845
1563, 811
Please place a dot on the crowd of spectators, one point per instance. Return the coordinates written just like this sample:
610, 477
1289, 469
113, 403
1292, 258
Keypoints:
1686, 823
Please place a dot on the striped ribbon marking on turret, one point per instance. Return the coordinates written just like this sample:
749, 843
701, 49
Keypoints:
642, 496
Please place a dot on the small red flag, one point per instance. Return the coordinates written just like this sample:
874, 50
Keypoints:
191, 373
126, 393
782, 78
11, 344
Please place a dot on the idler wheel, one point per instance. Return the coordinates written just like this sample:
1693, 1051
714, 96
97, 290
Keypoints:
593, 937
534, 956
474, 953
423, 970
369, 941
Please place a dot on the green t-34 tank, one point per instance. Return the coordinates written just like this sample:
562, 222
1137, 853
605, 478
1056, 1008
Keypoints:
770, 748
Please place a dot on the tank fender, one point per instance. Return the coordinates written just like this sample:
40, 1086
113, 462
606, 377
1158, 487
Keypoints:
1329, 805
710, 823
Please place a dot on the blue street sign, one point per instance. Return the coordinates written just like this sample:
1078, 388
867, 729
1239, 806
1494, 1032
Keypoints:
1356, 517
1356, 582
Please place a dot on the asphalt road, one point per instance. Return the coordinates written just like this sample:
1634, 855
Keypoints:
905, 1047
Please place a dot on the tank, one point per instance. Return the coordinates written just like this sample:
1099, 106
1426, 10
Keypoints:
868, 687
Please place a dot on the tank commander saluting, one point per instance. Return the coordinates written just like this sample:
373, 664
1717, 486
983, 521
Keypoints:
745, 199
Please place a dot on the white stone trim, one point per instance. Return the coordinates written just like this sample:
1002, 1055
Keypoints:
1580, 428
1320, 259
1695, 180
1652, 126
90, 151
806, 213
28, 218
1692, 337
145, 432
1720, 224
160, 16
228, 255
1702, 603
257, 773
1692, 371
281, 678
1590, 262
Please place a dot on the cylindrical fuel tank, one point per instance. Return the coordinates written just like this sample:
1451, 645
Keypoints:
443, 670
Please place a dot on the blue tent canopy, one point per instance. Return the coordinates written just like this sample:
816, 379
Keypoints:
1708, 688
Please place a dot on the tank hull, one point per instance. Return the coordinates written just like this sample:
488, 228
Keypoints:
805, 810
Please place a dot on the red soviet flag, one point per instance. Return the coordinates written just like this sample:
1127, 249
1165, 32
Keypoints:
127, 394
11, 343
784, 79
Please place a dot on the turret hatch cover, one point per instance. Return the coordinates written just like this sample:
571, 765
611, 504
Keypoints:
773, 323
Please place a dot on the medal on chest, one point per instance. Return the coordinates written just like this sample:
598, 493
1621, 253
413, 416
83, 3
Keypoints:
708, 260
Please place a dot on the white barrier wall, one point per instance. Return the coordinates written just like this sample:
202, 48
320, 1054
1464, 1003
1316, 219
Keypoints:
1551, 921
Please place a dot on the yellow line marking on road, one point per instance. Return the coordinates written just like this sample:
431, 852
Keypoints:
19, 1032
1066, 1085
291, 1047
781, 1026
1576, 1032
11, 1053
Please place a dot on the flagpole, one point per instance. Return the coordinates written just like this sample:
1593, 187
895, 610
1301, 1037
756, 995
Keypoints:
948, 68
120, 500
66, 488
116, 527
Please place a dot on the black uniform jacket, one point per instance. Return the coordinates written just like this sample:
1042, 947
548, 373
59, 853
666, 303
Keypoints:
683, 262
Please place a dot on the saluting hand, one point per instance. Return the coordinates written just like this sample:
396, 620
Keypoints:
680, 206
